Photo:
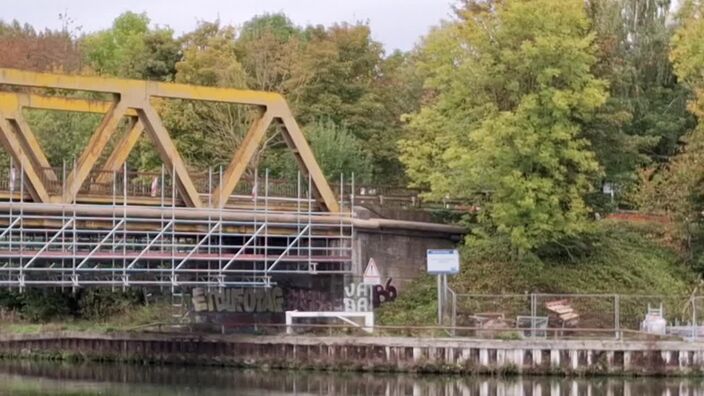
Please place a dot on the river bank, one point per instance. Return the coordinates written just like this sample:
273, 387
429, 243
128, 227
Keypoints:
372, 354
32, 378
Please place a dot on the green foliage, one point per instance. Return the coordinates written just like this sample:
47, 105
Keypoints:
678, 188
688, 53
62, 135
37, 304
336, 150
507, 119
645, 114
130, 49
104, 303
415, 306
207, 134
344, 84
41, 305
269, 48
615, 258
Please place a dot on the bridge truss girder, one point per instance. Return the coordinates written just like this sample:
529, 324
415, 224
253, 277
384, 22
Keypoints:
132, 99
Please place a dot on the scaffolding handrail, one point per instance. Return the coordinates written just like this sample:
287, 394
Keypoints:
102, 241
53, 238
151, 243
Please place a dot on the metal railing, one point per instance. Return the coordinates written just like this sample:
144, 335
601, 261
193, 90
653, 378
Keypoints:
541, 315
155, 187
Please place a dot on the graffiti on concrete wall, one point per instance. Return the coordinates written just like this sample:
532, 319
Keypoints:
310, 300
249, 300
382, 294
356, 297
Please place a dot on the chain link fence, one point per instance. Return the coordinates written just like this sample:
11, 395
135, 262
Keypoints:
566, 316
342, 305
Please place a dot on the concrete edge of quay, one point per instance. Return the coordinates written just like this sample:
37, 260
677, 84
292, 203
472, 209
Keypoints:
368, 353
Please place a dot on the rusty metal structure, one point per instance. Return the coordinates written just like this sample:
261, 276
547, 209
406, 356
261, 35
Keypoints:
96, 225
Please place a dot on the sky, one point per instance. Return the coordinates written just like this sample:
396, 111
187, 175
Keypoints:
398, 24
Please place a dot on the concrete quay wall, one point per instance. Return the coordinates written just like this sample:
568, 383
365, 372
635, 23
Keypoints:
371, 353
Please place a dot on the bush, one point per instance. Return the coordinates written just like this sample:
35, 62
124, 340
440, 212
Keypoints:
41, 305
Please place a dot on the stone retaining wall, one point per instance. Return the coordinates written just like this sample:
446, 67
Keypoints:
371, 353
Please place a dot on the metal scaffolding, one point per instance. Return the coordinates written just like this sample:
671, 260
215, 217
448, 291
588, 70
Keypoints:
122, 245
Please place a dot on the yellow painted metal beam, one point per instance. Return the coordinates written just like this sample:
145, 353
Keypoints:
122, 151
32, 148
243, 156
170, 156
146, 88
134, 100
306, 159
95, 147
19, 100
36, 186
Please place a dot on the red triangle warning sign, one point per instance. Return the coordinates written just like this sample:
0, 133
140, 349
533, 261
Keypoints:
371, 274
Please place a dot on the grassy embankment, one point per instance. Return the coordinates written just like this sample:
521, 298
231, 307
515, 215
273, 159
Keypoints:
619, 257
134, 319
96, 310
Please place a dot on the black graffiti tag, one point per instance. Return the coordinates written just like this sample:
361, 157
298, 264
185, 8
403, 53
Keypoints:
382, 294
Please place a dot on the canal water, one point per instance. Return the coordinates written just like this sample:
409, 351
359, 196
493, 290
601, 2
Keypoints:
49, 378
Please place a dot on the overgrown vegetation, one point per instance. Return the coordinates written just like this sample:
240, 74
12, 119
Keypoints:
36, 310
617, 257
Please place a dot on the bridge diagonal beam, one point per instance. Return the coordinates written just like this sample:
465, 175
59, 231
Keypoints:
297, 143
243, 156
36, 186
122, 151
92, 152
32, 147
169, 155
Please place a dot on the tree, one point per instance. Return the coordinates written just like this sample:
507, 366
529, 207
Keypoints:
679, 189
62, 134
688, 54
207, 134
22, 47
337, 151
131, 49
513, 86
645, 115
341, 66
269, 47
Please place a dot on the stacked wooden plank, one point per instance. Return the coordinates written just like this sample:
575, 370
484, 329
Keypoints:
562, 309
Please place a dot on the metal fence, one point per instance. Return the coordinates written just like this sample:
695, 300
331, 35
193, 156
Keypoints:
546, 315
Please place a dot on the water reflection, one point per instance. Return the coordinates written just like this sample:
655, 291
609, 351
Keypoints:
39, 378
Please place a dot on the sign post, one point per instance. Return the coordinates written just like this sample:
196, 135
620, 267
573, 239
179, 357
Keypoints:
441, 263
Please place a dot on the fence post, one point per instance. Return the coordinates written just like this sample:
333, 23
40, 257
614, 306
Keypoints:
695, 333
617, 316
454, 312
439, 299
533, 314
